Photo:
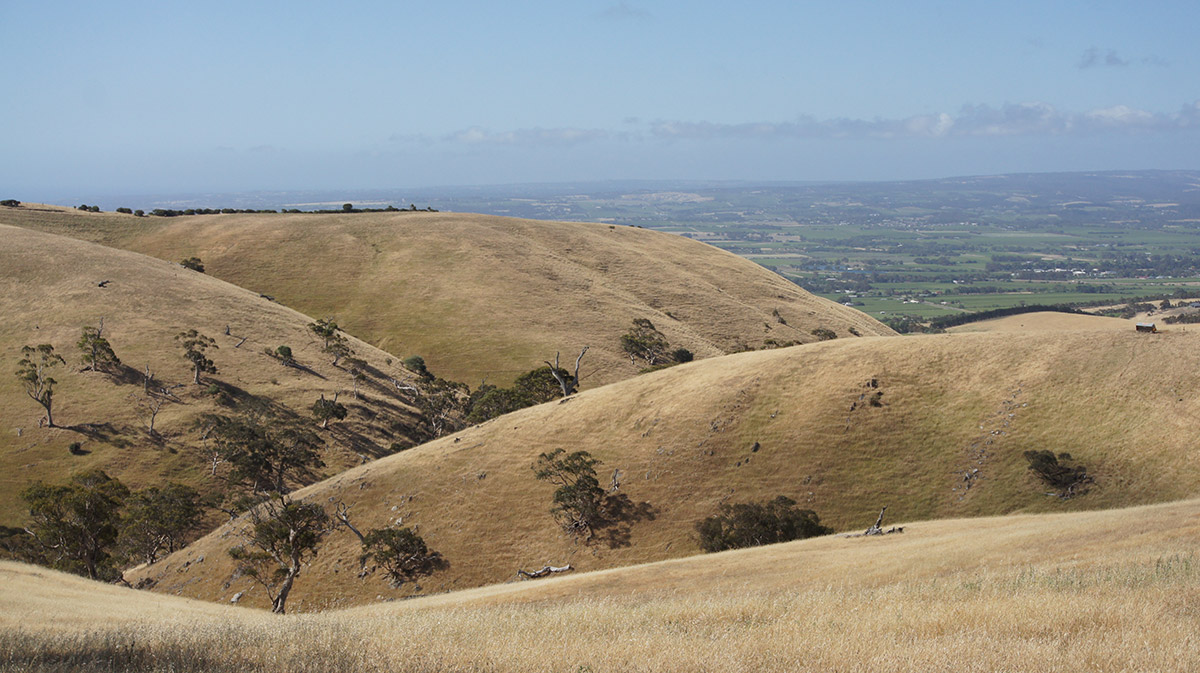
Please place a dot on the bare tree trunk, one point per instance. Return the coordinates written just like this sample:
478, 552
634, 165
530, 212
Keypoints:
343, 514
568, 385
279, 602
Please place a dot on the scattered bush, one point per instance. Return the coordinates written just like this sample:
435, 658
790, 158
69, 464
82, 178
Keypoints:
1055, 471
682, 355
824, 334
75, 449
11, 203
125, 211
754, 524
416, 364
193, 263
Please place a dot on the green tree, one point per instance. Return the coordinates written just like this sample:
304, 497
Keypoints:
578, 500
77, 524
326, 328
401, 553
97, 353
644, 342
753, 524
157, 520
284, 353
34, 373
195, 348
357, 367
416, 364
328, 410
267, 455
282, 536
334, 342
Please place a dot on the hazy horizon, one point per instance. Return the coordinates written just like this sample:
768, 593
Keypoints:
140, 98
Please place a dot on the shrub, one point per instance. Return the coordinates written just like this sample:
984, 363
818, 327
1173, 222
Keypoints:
824, 333
193, 263
753, 524
1054, 471
125, 211
682, 355
416, 364
11, 203
75, 449
139, 213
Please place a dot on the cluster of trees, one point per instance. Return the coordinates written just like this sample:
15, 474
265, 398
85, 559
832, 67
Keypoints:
645, 343
93, 524
753, 524
11, 203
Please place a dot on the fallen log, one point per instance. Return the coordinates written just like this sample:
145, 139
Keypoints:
547, 570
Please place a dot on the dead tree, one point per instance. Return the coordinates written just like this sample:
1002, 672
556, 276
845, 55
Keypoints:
877, 527
568, 385
150, 407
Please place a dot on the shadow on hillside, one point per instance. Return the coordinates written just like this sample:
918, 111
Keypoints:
101, 432
620, 515
123, 374
305, 368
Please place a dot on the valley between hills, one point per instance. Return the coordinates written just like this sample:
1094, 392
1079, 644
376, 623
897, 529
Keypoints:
787, 395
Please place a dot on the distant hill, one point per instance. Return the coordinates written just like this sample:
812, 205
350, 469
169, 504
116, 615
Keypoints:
51, 287
484, 297
931, 426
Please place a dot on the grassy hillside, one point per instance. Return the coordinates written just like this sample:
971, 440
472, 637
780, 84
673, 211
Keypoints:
931, 426
50, 289
1045, 321
483, 297
1096, 591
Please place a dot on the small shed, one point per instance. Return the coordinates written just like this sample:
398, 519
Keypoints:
1147, 327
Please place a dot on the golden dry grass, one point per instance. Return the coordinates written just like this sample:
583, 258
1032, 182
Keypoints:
483, 297
1045, 321
1096, 591
49, 291
1123, 404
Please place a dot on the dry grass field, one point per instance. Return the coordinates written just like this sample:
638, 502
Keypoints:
1043, 321
482, 297
49, 291
1114, 590
934, 427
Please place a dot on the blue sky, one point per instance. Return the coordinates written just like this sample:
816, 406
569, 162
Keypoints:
151, 97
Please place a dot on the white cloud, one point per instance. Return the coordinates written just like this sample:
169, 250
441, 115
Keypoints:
535, 137
1010, 119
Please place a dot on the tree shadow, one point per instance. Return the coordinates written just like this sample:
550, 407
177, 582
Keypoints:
101, 432
620, 513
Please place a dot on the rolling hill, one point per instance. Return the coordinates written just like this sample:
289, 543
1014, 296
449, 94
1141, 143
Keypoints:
50, 289
483, 297
1101, 591
933, 427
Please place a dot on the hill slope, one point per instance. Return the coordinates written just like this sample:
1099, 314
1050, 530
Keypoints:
50, 290
1102, 591
931, 426
484, 297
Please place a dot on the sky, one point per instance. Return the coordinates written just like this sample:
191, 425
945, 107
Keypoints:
187, 97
